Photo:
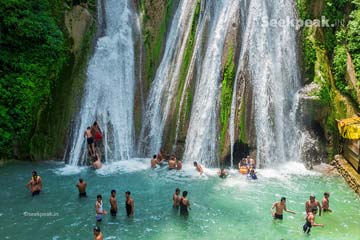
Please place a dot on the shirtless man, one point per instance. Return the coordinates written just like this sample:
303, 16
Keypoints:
310, 221
97, 162
198, 168
113, 203
90, 141
97, 233
179, 165
160, 157
153, 162
312, 204
35, 184
82, 187
176, 199
99, 208
325, 203
184, 205
172, 163
129, 204
280, 207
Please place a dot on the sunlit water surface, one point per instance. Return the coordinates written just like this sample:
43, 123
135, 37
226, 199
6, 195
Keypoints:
232, 208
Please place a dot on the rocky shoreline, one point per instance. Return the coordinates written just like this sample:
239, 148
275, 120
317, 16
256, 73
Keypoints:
348, 172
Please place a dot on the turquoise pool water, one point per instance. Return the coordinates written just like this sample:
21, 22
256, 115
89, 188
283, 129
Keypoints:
232, 208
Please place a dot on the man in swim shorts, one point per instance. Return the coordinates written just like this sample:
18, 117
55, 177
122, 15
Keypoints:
129, 204
312, 204
280, 207
99, 208
113, 203
90, 141
310, 221
176, 199
35, 184
82, 187
326, 203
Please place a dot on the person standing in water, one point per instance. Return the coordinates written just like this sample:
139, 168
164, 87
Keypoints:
113, 203
82, 187
97, 162
153, 162
90, 141
97, 233
198, 168
184, 205
280, 207
172, 163
310, 221
35, 184
176, 199
99, 208
129, 204
312, 204
326, 203
178, 165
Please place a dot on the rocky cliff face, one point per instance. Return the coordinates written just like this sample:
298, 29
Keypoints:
323, 99
54, 123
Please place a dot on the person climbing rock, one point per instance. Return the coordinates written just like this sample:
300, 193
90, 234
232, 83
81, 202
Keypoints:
35, 184
96, 132
90, 141
280, 207
82, 187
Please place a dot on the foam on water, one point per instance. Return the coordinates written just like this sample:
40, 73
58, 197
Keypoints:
67, 170
127, 166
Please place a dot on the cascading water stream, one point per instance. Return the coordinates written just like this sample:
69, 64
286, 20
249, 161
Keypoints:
166, 80
109, 90
201, 141
275, 78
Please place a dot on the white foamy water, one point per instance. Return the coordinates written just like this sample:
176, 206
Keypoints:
69, 170
124, 166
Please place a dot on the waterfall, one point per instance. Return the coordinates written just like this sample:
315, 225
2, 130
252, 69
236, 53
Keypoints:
274, 71
201, 142
109, 89
166, 79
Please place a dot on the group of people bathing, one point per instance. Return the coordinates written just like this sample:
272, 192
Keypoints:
93, 137
312, 206
173, 162
99, 208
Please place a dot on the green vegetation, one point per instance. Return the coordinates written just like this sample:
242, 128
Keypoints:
153, 39
32, 55
226, 95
